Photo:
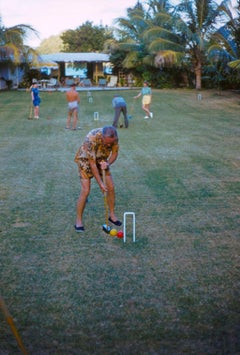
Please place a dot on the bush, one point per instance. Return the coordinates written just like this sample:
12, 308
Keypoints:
28, 78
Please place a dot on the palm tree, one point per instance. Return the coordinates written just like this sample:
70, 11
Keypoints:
236, 33
131, 31
187, 31
12, 45
227, 38
164, 45
200, 19
224, 51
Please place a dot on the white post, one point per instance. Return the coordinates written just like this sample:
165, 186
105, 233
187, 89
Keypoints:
96, 116
133, 226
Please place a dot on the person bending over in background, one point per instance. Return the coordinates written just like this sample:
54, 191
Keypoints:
119, 105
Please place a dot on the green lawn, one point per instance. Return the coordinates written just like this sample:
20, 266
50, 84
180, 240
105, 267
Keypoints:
174, 291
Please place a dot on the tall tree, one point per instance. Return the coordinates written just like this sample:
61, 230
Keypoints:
86, 38
231, 40
12, 44
53, 44
186, 33
224, 51
165, 46
198, 20
131, 31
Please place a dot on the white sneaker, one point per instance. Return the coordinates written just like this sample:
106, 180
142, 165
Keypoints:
146, 117
151, 114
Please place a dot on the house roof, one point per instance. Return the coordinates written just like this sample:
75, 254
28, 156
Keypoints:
42, 64
75, 57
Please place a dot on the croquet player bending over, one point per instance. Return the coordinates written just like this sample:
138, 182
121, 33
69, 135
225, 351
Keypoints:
119, 105
73, 100
98, 152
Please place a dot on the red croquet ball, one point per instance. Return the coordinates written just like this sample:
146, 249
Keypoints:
120, 234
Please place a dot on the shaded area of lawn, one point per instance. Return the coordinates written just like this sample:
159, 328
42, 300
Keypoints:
176, 290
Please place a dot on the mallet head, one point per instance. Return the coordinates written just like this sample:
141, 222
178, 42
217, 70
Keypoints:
106, 228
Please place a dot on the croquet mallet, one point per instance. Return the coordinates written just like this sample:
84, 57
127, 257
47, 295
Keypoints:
131, 110
30, 117
106, 228
12, 325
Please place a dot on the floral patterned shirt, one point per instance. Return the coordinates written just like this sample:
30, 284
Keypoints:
93, 149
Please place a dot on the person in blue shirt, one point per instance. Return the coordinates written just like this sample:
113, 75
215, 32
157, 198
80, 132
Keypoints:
35, 99
146, 94
119, 105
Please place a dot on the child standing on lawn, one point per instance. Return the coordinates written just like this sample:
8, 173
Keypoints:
35, 99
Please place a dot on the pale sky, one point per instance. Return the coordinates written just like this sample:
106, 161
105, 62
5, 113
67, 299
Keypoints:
51, 17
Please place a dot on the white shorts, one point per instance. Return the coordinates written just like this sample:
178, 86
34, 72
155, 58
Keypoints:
73, 106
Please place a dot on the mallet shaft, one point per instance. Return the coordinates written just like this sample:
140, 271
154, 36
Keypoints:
12, 326
105, 197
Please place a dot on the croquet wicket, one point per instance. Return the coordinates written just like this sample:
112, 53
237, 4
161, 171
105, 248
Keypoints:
96, 116
125, 227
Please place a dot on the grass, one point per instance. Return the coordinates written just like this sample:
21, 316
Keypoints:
176, 290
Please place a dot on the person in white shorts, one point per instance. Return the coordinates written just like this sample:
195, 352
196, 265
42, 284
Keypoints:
73, 100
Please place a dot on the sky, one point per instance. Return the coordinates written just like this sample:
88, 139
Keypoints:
51, 17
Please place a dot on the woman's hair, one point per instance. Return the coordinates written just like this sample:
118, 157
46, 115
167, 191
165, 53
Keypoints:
110, 132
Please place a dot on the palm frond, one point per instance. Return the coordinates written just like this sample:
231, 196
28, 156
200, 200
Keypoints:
12, 41
156, 32
128, 46
234, 64
224, 38
164, 44
162, 18
149, 60
186, 7
167, 58
131, 60
218, 54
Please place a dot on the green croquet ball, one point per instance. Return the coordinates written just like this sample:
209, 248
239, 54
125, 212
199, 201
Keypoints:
120, 234
113, 232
